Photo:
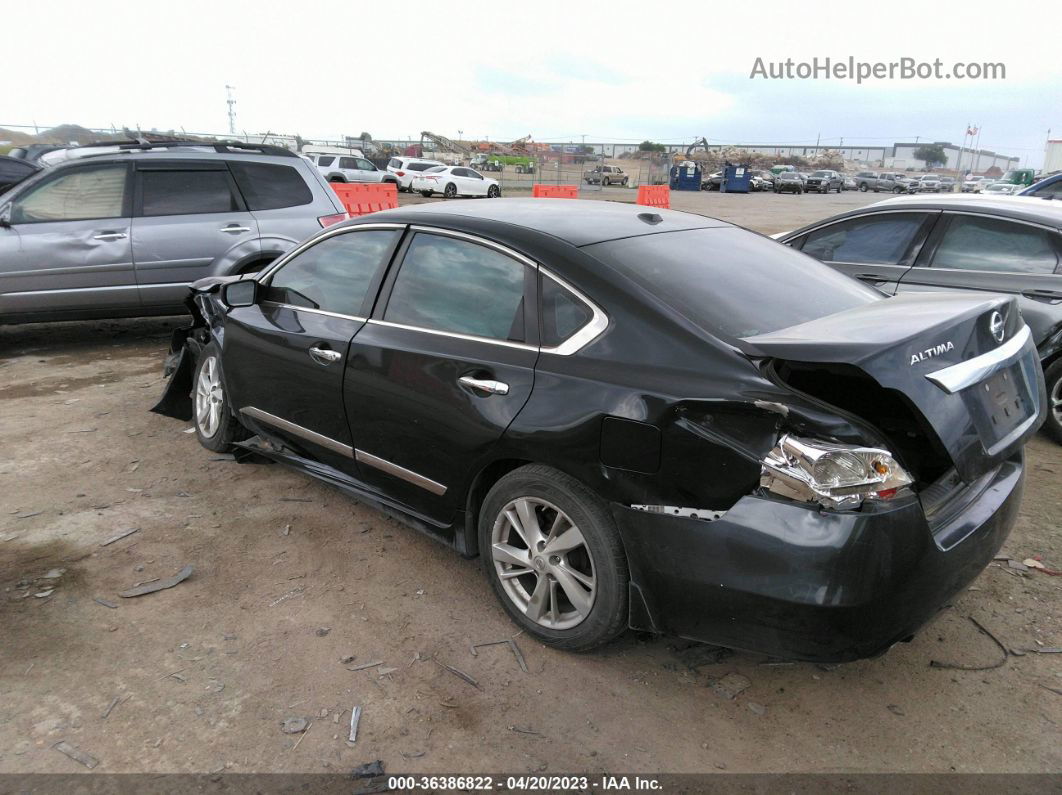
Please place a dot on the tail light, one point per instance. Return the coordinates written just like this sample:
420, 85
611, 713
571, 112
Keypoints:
400, 173
327, 220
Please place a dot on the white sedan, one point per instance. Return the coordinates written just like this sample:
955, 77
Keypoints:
454, 181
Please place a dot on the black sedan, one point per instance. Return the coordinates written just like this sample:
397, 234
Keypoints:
635, 418
957, 243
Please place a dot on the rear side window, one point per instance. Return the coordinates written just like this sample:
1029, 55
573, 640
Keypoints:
989, 244
562, 313
269, 186
326, 160
877, 239
731, 282
186, 192
333, 275
80, 194
458, 286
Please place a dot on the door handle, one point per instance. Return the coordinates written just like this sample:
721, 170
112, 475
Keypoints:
235, 229
324, 355
1044, 295
484, 385
110, 236
872, 277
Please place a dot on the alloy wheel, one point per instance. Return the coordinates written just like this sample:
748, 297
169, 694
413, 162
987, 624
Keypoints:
543, 563
209, 397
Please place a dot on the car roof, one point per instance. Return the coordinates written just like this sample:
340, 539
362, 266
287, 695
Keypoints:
1017, 207
1012, 206
577, 221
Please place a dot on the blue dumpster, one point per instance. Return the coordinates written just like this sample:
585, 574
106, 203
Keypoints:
686, 176
736, 178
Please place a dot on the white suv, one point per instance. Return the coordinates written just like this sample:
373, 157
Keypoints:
405, 168
348, 168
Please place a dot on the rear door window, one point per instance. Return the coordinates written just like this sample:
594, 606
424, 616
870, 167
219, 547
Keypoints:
348, 162
75, 194
458, 286
333, 275
270, 186
326, 160
186, 192
881, 239
992, 244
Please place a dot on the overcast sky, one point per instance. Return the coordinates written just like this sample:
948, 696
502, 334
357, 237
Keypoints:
610, 71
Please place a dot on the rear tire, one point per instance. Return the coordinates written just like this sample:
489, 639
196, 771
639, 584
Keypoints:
450, 191
862, 187
215, 425
589, 562
1053, 378
606, 182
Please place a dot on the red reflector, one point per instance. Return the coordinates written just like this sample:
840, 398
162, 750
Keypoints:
327, 220
400, 173
888, 494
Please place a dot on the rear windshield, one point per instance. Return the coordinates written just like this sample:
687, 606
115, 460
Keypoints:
420, 166
434, 169
731, 282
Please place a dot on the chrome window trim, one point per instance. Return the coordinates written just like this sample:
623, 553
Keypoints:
298, 430
399, 472
994, 217
454, 334
964, 374
597, 324
584, 336
284, 258
315, 311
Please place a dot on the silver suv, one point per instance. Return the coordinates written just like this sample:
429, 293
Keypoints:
349, 168
123, 234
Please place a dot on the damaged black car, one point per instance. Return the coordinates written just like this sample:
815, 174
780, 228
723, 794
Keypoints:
635, 418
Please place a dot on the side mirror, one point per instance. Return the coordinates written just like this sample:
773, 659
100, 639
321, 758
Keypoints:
5, 216
241, 293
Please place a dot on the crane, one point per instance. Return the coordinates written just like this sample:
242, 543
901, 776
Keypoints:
444, 144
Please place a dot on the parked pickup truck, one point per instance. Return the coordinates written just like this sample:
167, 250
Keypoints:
888, 181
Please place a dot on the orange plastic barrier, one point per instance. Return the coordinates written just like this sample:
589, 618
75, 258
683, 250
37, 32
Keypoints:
554, 191
361, 198
655, 196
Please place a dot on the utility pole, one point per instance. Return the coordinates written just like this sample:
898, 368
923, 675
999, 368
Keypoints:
230, 93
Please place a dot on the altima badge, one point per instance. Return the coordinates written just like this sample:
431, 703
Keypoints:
929, 353
995, 325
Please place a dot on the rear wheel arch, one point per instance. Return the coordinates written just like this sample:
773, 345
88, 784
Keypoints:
466, 537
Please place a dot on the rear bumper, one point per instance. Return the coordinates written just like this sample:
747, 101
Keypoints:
791, 581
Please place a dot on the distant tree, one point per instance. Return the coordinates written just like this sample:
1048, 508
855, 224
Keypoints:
931, 155
649, 146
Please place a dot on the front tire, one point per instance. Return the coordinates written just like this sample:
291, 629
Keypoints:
862, 187
493, 192
554, 558
1053, 378
215, 426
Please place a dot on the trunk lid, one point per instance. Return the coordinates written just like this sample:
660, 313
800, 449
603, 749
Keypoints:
966, 364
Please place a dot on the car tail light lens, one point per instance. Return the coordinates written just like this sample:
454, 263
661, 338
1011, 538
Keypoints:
400, 173
327, 220
833, 475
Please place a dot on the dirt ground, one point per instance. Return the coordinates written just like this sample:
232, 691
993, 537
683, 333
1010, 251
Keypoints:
291, 579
